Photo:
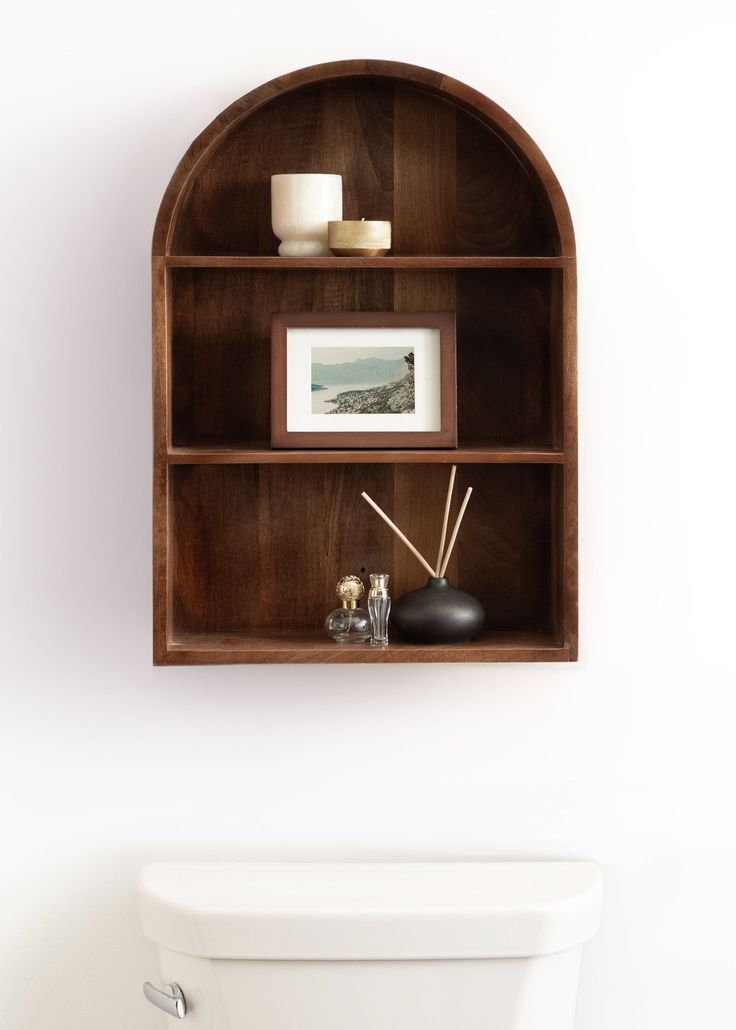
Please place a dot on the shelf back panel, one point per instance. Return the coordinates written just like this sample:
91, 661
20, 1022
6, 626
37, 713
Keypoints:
221, 345
259, 548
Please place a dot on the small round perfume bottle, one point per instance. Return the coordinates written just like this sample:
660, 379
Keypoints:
349, 624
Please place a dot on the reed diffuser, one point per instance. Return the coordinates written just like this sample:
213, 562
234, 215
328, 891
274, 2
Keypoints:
436, 613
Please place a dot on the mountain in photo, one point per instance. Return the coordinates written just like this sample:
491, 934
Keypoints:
362, 370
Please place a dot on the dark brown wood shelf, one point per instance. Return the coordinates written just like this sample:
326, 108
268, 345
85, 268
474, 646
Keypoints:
385, 263
207, 649
264, 454
250, 541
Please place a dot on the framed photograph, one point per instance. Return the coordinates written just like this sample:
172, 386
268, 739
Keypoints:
363, 379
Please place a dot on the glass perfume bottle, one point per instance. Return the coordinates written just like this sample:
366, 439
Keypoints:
379, 605
349, 624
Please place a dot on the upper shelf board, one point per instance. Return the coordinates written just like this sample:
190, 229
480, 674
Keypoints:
335, 263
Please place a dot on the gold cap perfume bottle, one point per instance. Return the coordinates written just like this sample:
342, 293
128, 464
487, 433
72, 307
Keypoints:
349, 624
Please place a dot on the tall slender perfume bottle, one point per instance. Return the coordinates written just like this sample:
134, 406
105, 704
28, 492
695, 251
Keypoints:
379, 605
349, 624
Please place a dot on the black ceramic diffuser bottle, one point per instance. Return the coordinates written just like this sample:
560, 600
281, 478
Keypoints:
438, 614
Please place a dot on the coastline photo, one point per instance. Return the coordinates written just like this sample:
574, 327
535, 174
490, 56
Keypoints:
378, 379
362, 380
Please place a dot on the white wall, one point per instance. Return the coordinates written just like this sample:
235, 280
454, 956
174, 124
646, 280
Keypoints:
626, 758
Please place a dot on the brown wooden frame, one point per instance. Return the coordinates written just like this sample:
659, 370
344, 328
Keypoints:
281, 322
481, 226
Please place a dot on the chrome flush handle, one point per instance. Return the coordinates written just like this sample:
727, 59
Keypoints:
169, 998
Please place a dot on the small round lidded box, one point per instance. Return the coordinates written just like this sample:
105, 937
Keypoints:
359, 239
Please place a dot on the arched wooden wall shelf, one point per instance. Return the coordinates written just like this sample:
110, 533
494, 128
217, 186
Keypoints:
248, 542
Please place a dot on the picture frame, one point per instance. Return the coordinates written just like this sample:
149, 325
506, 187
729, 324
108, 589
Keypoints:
363, 379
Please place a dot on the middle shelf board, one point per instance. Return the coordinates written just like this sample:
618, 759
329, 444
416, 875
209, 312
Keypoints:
263, 454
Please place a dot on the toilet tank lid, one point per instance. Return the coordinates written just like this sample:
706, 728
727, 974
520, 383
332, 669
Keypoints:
427, 910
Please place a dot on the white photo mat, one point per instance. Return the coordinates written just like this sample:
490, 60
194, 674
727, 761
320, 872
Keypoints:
424, 341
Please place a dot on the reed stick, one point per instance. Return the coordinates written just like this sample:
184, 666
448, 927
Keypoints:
399, 534
453, 538
453, 470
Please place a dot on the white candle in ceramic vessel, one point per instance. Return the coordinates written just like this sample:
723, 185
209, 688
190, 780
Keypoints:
370, 239
301, 207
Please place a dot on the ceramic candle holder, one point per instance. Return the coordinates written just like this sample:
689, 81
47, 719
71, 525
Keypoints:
301, 207
359, 239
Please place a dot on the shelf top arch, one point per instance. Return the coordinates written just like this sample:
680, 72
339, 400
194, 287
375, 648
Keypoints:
543, 187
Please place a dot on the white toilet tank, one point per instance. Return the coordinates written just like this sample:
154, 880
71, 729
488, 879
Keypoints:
379, 946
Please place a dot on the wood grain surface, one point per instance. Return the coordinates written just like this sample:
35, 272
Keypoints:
297, 649
449, 184
221, 326
259, 548
484, 453
248, 541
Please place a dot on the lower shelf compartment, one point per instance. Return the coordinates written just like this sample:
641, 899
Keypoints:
207, 649
255, 552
